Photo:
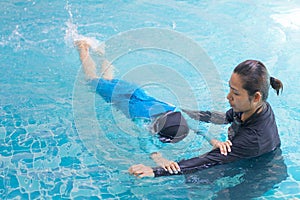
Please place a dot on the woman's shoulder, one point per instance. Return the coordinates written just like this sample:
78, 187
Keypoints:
259, 120
267, 111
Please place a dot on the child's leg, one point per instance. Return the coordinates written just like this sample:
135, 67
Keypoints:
107, 70
88, 64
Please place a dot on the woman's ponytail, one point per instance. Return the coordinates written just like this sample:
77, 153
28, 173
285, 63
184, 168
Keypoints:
276, 84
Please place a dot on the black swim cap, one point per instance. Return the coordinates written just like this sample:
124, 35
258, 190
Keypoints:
172, 127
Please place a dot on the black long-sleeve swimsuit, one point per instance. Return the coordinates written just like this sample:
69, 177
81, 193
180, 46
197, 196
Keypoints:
254, 137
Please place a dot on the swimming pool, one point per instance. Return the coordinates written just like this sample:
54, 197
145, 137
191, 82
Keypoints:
59, 140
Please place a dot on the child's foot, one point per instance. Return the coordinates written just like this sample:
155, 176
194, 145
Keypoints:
93, 44
83, 48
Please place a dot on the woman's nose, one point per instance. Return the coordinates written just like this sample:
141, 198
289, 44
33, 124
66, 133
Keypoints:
229, 97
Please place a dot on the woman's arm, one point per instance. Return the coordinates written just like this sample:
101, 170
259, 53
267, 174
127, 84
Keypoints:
207, 116
204, 161
186, 166
207, 160
212, 158
244, 145
241, 148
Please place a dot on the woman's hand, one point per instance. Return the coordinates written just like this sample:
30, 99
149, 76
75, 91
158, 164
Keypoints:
168, 165
141, 171
225, 147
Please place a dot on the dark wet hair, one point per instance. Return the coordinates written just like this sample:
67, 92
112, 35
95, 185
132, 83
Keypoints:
255, 78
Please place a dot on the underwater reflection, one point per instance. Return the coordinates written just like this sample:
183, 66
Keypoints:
245, 179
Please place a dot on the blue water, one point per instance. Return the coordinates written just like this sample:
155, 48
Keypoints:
58, 140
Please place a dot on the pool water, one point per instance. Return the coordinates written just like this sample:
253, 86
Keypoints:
58, 140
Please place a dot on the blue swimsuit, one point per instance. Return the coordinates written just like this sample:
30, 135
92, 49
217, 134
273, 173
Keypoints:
130, 98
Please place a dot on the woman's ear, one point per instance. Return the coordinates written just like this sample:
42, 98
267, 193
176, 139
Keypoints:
257, 97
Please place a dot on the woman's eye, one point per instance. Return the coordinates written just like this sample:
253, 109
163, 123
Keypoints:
233, 92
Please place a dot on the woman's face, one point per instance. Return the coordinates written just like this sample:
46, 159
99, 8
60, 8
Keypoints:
238, 97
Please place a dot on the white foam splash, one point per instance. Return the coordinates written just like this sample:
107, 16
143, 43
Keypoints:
289, 19
72, 35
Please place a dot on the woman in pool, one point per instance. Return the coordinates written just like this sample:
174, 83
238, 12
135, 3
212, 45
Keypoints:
169, 124
253, 131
